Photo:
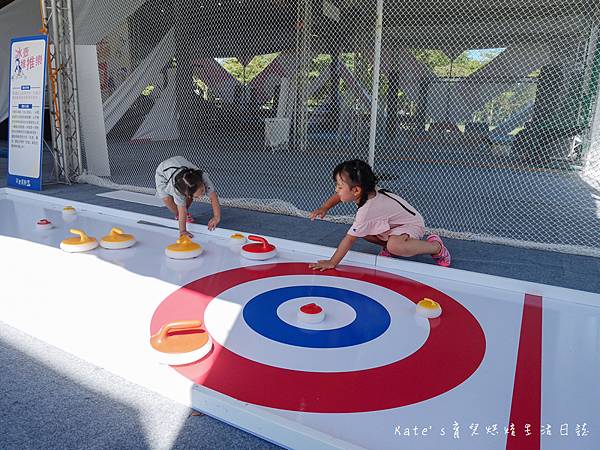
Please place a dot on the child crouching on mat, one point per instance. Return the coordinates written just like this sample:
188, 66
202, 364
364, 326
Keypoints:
382, 218
178, 183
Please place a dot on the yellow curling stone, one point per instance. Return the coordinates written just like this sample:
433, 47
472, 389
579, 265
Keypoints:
184, 248
82, 243
429, 309
181, 342
117, 239
236, 240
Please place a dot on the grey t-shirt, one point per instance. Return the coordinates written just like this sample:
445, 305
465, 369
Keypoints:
165, 179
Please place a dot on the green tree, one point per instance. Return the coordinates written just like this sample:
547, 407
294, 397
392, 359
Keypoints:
258, 64
507, 103
246, 74
234, 67
436, 60
464, 65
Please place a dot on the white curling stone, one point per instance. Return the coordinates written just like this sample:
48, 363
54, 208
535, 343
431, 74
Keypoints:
259, 256
183, 255
311, 318
117, 245
429, 313
179, 359
78, 248
43, 226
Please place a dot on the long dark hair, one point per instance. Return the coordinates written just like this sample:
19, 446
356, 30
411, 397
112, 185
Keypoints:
357, 173
187, 181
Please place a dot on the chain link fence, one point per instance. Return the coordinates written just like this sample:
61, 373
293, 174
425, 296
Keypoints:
486, 117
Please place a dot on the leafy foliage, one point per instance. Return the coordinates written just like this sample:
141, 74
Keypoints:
246, 74
467, 63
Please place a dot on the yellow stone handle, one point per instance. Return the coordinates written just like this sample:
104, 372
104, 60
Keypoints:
428, 303
116, 230
82, 236
184, 239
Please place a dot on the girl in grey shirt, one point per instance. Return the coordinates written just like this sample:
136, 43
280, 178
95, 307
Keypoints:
178, 183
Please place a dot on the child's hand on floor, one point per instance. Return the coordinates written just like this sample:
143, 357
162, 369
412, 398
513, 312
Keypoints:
318, 213
323, 264
212, 223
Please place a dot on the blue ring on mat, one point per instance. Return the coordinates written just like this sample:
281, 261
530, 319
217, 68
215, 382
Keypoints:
372, 319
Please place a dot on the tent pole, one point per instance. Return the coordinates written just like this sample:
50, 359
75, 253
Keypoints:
374, 96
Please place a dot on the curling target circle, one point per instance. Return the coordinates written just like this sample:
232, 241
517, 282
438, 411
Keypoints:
372, 319
453, 349
225, 319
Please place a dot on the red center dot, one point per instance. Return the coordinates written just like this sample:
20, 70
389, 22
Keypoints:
311, 308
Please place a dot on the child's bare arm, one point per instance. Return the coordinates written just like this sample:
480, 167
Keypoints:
321, 211
182, 216
216, 207
339, 254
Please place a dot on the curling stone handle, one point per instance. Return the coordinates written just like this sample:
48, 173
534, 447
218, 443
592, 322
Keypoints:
116, 230
428, 302
182, 325
184, 239
81, 234
262, 240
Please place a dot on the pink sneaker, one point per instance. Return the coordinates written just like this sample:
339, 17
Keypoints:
385, 253
443, 257
188, 218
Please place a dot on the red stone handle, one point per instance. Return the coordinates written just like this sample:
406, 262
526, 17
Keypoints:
262, 240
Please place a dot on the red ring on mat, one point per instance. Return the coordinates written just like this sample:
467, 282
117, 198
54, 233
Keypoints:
452, 352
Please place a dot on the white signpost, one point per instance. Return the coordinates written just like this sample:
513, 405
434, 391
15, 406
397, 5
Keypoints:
26, 111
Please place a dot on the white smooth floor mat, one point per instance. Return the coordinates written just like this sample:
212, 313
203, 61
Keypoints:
134, 197
508, 365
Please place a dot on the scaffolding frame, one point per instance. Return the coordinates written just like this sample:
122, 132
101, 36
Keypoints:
57, 24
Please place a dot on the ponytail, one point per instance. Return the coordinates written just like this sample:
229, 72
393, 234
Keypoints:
187, 181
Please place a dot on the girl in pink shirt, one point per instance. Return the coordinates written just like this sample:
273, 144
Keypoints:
382, 218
